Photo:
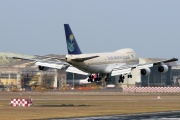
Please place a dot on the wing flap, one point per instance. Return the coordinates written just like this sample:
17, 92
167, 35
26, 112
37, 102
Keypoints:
145, 66
75, 70
120, 71
51, 65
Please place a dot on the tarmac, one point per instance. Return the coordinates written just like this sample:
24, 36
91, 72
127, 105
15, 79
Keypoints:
172, 115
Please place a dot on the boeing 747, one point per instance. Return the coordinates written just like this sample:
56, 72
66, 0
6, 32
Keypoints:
119, 62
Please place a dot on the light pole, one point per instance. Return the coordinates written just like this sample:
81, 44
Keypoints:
148, 80
73, 80
161, 79
127, 81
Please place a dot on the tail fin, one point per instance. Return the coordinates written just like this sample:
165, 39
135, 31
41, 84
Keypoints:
72, 45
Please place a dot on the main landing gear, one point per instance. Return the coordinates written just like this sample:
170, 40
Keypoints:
108, 78
129, 76
98, 77
94, 77
122, 77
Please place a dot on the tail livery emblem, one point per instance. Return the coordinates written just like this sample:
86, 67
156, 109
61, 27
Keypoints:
70, 43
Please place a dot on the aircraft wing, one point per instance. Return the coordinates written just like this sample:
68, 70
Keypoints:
127, 69
60, 65
31, 59
50, 57
166, 61
46, 62
81, 59
54, 64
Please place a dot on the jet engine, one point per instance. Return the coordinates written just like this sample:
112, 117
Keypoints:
163, 68
68, 59
145, 71
43, 68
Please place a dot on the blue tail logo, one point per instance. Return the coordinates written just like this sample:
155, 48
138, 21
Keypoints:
72, 45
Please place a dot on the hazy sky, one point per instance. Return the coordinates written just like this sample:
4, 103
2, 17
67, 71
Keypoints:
35, 27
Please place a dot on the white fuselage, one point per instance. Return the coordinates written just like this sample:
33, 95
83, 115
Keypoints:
106, 62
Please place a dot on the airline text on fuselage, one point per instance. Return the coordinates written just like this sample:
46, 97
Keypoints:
118, 57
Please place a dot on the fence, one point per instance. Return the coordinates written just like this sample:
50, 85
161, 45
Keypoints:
151, 89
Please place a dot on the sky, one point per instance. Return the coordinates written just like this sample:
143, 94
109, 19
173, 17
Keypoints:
35, 27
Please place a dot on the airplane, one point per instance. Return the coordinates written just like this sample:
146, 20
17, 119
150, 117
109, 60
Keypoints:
104, 65
111, 86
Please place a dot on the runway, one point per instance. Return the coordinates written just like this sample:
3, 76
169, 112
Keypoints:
173, 115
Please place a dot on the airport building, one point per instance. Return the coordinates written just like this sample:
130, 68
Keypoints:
23, 74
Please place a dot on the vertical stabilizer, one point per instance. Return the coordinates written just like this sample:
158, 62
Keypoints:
72, 45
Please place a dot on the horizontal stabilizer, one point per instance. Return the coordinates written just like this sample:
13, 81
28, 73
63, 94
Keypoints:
83, 59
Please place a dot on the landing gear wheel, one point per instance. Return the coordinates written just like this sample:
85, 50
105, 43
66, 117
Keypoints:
108, 79
119, 81
129, 76
121, 78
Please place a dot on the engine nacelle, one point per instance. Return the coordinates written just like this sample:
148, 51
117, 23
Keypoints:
43, 68
68, 58
163, 68
145, 71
